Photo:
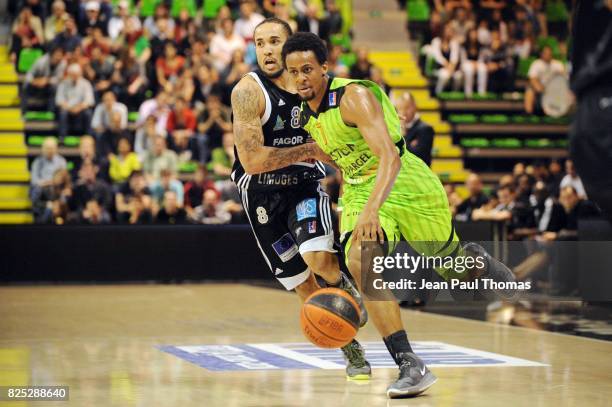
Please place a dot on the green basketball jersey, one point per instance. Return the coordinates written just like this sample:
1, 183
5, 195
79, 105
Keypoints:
342, 142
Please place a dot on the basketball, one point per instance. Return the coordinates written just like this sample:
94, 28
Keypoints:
330, 318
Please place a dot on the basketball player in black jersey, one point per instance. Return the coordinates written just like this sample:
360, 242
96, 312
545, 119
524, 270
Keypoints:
279, 184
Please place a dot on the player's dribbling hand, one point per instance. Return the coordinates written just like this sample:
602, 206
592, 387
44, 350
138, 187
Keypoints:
368, 228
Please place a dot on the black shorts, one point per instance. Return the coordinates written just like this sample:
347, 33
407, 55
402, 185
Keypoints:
287, 223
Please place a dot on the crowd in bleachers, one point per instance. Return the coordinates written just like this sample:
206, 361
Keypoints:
94, 63
482, 47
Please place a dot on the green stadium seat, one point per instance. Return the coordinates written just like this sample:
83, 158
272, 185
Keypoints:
27, 58
524, 119
39, 116
506, 143
70, 165
523, 66
147, 7
211, 8
451, 95
463, 118
494, 119
430, 66
539, 143
486, 96
72, 141
348, 59
341, 39
180, 5
36, 141
133, 116
418, 11
556, 11
188, 167
563, 143
475, 142
556, 120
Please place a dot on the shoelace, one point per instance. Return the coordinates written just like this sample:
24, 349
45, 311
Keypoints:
353, 354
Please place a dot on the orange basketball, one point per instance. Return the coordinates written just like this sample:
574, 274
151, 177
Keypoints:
330, 318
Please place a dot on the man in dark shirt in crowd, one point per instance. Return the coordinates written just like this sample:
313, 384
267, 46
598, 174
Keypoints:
194, 189
417, 134
88, 188
477, 198
171, 213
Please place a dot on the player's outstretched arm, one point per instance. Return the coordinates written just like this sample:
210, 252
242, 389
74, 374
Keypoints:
247, 105
359, 107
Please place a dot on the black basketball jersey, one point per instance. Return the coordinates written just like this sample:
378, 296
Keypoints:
281, 129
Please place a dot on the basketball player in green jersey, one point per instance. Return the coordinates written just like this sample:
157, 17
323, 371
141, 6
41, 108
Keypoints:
388, 193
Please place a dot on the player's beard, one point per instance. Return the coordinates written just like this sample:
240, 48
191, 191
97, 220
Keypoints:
273, 75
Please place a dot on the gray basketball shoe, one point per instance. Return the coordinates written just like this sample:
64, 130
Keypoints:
414, 377
357, 367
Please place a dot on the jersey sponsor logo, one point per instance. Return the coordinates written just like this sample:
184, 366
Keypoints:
281, 102
312, 226
354, 167
280, 124
285, 247
332, 99
306, 209
341, 152
277, 179
277, 271
288, 141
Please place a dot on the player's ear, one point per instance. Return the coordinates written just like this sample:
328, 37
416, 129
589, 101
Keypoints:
324, 67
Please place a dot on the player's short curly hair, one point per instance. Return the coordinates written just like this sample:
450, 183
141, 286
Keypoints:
304, 41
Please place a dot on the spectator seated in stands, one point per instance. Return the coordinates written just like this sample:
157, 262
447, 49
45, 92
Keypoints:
121, 19
110, 138
89, 187
133, 201
69, 39
145, 137
446, 52
475, 200
129, 80
74, 100
56, 22
102, 120
181, 127
170, 66
461, 24
572, 179
167, 182
213, 122
454, 200
376, 76
249, 18
94, 214
42, 79
418, 135
157, 107
502, 211
87, 154
45, 166
159, 158
50, 203
171, 213
500, 65
195, 188
540, 72
124, 162
361, 67
93, 17
27, 32
223, 158
212, 210
100, 70
472, 65
224, 44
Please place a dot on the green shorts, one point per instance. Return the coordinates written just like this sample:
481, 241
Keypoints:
415, 211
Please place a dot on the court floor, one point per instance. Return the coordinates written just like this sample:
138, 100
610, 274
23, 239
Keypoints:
128, 345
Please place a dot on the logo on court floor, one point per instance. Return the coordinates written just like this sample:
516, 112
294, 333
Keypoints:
275, 356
